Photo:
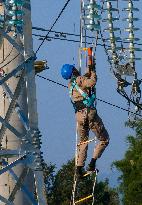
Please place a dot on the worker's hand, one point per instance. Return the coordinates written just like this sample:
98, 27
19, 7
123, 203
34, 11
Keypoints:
95, 75
91, 67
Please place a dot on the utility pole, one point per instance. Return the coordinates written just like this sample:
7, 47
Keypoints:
21, 173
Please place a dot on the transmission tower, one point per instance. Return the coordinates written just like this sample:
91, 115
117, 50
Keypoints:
21, 173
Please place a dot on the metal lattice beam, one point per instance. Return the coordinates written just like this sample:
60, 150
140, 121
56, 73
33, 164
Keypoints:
29, 153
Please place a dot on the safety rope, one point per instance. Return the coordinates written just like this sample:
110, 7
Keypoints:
75, 173
94, 185
86, 142
94, 46
92, 195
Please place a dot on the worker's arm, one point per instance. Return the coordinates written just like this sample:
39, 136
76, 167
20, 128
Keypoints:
87, 82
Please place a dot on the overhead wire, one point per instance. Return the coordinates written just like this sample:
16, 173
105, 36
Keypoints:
111, 64
60, 32
10, 61
4, 59
45, 38
72, 34
103, 101
64, 39
64, 7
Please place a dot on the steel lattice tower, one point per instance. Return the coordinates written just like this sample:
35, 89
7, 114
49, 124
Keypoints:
21, 170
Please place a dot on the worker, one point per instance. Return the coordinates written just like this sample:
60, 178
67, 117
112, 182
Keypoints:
86, 114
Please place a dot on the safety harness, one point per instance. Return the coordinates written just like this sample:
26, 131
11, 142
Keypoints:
88, 101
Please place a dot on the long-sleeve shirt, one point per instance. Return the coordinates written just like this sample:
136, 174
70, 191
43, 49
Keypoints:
85, 82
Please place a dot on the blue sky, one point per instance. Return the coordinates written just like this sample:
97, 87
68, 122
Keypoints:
56, 115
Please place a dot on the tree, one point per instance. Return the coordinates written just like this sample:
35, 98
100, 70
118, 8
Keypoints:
49, 178
63, 183
131, 167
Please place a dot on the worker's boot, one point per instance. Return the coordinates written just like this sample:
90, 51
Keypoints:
80, 172
92, 165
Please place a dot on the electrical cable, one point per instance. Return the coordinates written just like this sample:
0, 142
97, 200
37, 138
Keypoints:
53, 25
103, 101
76, 35
60, 32
4, 59
64, 39
71, 34
111, 69
10, 60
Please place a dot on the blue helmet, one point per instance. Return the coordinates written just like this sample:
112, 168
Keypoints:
66, 71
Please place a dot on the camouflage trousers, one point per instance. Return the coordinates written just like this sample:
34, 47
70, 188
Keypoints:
88, 119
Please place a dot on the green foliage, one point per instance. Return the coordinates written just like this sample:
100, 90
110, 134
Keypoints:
105, 195
131, 168
63, 183
49, 178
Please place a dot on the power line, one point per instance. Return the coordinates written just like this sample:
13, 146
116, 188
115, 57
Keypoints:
61, 32
64, 39
76, 35
52, 81
10, 61
7, 55
103, 101
53, 25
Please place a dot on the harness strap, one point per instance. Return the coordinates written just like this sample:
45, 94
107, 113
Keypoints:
88, 100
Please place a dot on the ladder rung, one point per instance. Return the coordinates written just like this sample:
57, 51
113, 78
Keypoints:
91, 172
86, 142
83, 199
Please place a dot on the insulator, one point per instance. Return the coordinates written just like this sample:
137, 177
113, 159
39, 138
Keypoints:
136, 86
2, 18
112, 29
113, 58
92, 6
131, 19
114, 49
92, 16
16, 13
131, 29
133, 49
111, 9
92, 27
112, 19
113, 39
131, 39
17, 2
1, 21
15, 23
130, 9
133, 59
37, 157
